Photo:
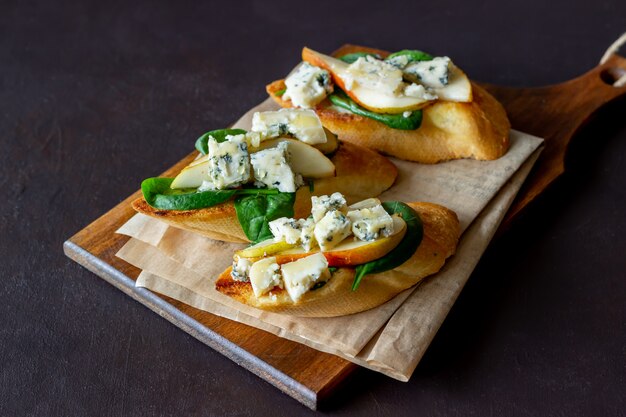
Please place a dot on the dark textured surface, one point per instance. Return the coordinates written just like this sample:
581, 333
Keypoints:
95, 96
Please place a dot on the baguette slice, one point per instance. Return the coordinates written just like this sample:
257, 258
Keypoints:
336, 298
360, 173
478, 129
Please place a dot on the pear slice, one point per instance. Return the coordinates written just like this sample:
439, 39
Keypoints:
193, 174
365, 204
459, 88
371, 99
350, 252
305, 159
266, 248
331, 144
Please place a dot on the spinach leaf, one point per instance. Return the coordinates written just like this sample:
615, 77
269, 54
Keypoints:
256, 210
350, 58
394, 121
158, 194
412, 54
219, 135
401, 253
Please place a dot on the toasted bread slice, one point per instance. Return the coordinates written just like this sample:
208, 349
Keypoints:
360, 173
478, 129
336, 298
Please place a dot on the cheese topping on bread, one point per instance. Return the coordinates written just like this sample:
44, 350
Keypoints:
435, 114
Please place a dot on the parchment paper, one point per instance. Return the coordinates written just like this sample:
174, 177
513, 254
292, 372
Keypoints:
391, 338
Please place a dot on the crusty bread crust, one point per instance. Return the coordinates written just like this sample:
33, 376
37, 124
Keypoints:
336, 298
360, 173
478, 129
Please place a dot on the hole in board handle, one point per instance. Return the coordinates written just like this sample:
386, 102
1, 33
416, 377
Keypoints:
611, 75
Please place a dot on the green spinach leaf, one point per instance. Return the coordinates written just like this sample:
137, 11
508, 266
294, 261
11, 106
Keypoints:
401, 253
350, 58
412, 54
394, 121
158, 194
219, 135
256, 210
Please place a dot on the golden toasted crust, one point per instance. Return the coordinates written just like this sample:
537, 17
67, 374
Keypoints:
336, 298
360, 173
478, 129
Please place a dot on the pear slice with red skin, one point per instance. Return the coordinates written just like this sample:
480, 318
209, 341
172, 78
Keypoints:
349, 253
458, 90
370, 99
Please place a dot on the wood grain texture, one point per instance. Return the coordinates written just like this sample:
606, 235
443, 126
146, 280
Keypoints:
555, 113
298, 370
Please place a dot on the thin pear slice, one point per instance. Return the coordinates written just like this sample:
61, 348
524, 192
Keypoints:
368, 203
193, 174
459, 88
331, 144
266, 248
305, 159
370, 99
350, 252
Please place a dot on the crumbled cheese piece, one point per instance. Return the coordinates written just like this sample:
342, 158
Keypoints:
294, 231
229, 164
265, 275
272, 170
253, 139
418, 91
307, 237
399, 61
371, 223
407, 114
300, 276
432, 74
307, 85
374, 74
241, 269
286, 229
302, 124
322, 204
207, 185
332, 229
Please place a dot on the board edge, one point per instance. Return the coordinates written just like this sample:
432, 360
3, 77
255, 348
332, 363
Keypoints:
214, 340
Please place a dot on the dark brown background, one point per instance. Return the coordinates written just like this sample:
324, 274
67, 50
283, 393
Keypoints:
95, 96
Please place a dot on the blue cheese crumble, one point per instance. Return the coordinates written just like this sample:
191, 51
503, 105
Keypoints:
307, 85
332, 229
229, 164
322, 204
302, 124
264, 276
300, 276
286, 229
374, 74
369, 224
272, 170
294, 231
240, 269
431, 74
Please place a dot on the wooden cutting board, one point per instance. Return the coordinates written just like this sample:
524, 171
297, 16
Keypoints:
554, 113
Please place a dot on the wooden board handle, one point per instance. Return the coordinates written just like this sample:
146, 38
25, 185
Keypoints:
556, 113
